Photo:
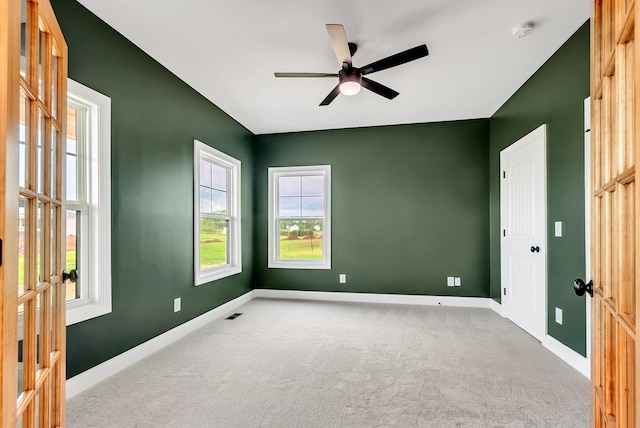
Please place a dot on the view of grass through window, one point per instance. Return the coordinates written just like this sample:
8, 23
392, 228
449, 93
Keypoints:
213, 242
301, 239
213, 209
70, 264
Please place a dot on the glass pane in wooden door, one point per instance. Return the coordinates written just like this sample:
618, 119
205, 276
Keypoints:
24, 17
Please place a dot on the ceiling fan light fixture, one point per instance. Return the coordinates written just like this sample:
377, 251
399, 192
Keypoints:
350, 88
350, 84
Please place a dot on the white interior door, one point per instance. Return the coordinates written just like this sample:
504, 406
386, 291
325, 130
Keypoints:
523, 246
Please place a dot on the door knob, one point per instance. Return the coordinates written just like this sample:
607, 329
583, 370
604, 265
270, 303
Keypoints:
535, 249
72, 275
580, 287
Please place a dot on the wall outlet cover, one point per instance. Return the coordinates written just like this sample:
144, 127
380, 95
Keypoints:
450, 281
177, 304
457, 282
558, 229
559, 316
343, 278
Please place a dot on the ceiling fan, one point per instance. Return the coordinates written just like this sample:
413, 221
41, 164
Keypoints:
351, 79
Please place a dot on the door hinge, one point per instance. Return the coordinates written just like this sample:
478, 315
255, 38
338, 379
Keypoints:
504, 174
504, 292
0, 252
504, 232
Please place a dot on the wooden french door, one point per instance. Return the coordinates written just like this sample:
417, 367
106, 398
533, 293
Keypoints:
615, 94
33, 75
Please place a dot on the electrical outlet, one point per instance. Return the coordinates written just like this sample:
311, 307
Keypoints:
456, 281
177, 304
343, 278
450, 281
559, 316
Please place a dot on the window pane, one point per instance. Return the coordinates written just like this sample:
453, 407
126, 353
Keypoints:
39, 159
54, 249
289, 207
54, 141
205, 200
23, 38
205, 173
289, 186
22, 244
72, 175
313, 206
219, 202
300, 240
22, 137
39, 243
71, 252
71, 131
312, 185
213, 242
219, 177
54, 85
41, 45
22, 166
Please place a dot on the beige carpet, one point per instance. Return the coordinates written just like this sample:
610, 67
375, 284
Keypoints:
320, 364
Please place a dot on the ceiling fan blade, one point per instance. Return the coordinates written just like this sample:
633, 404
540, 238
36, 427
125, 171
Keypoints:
397, 59
332, 96
379, 88
305, 74
339, 42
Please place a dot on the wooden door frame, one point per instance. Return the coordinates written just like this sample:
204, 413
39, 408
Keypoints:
9, 117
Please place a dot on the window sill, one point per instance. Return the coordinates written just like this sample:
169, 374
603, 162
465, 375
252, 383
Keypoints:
215, 274
297, 264
83, 311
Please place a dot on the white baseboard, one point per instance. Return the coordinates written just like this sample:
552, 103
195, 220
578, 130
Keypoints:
496, 307
398, 299
97, 374
567, 354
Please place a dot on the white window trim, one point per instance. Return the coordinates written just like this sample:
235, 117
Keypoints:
274, 232
95, 272
235, 236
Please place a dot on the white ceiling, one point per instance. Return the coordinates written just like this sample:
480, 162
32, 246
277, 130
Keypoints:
228, 51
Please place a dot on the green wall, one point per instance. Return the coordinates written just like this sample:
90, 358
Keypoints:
553, 95
412, 204
155, 117
409, 207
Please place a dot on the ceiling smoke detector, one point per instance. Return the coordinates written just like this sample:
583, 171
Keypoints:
523, 29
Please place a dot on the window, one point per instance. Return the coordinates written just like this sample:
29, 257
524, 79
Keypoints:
300, 217
217, 244
88, 203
